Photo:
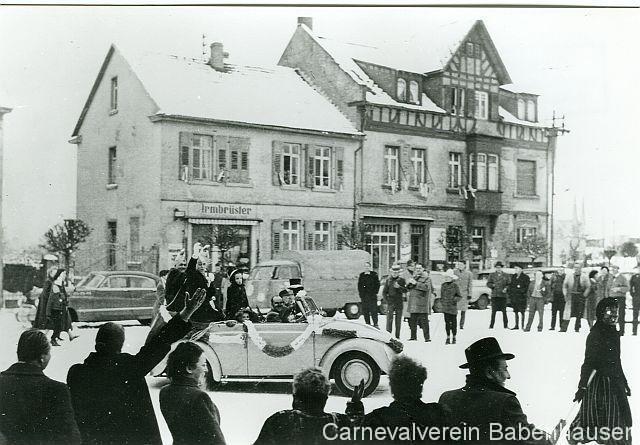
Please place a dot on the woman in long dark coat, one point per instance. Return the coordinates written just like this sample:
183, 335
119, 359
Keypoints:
449, 297
605, 415
236, 295
43, 301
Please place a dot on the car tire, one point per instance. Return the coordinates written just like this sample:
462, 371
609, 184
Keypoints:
352, 311
483, 302
146, 322
350, 368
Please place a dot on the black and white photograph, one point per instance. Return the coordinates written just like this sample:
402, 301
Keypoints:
313, 223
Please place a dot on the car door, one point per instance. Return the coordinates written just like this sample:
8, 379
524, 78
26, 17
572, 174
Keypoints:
85, 301
114, 299
230, 345
141, 295
279, 334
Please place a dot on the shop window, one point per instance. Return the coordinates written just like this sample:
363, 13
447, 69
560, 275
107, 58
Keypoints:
526, 183
391, 165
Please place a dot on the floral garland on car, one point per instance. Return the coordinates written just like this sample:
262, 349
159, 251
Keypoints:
283, 351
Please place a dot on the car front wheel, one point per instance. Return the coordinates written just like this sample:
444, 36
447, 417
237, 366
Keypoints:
483, 302
351, 368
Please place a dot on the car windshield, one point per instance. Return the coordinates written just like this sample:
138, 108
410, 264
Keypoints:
261, 273
91, 280
287, 272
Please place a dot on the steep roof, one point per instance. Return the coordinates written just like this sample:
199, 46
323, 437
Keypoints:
274, 96
408, 56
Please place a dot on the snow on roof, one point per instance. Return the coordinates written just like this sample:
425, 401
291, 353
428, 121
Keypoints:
275, 96
518, 89
510, 118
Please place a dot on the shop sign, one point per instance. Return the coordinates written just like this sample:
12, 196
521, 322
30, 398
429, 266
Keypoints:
221, 210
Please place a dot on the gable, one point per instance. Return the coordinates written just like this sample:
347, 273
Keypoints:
477, 56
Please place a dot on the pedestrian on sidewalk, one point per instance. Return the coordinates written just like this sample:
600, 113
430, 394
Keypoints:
618, 290
368, 287
592, 299
449, 297
556, 283
419, 303
634, 289
518, 290
536, 301
576, 288
393, 293
498, 282
465, 278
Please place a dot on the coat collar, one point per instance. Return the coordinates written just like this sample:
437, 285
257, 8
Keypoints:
21, 368
483, 384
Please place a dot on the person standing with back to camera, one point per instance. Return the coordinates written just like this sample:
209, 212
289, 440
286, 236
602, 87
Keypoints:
368, 287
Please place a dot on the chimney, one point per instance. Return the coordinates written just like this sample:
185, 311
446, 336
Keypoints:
216, 59
306, 21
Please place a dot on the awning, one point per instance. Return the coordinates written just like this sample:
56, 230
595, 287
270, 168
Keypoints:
415, 218
224, 222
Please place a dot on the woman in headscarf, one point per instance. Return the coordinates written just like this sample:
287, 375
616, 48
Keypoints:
592, 299
605, 415
58, 317
449, 297
236, 295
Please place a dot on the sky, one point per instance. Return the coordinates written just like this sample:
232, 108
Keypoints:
582, 62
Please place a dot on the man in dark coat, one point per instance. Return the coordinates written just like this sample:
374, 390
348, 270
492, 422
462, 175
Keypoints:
368, 286
406, 379
634, 289
393, 292
557, 303
498, 282
35, 410
518, 290
109, 392
490, 412
175, 278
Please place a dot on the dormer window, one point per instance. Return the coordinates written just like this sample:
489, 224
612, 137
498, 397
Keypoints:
531, 111
402, 90
414, 92
521, 113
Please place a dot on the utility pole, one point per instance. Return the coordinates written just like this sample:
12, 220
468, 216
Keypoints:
552, 141
3, 111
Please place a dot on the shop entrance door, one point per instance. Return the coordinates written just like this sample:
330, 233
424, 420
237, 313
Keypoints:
229, 243
383, 247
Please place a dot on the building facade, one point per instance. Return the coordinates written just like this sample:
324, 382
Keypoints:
172, 150
3, 110
450, 151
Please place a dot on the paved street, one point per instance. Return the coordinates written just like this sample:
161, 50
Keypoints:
544, 372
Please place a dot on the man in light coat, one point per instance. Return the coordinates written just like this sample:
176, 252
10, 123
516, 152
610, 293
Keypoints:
575, 288
619, 286
419, 303
465, 279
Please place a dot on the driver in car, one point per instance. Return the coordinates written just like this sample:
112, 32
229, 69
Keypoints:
280, 310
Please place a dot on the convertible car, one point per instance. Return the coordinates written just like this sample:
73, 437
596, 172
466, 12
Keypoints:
346, 350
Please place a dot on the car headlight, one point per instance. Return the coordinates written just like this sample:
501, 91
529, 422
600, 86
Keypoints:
353, 309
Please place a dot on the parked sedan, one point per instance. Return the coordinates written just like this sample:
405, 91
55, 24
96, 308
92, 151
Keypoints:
346, 350
114, 295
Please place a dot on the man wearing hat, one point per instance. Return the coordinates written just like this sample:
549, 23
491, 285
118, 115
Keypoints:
393, 292
498, 282
489, 411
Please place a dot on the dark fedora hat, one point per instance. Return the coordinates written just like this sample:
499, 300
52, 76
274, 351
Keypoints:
484, 349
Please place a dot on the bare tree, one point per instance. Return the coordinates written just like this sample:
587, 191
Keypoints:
456, 242
532, 246
64, 238
356, 235
226, 238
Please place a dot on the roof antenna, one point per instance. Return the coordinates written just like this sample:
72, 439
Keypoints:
204, 46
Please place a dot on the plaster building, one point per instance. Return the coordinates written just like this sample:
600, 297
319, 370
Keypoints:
450, 144
173, 150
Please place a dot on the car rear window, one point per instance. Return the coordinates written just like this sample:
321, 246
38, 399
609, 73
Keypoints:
91, 280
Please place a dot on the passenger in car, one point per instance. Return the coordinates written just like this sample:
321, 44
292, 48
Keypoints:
236, 295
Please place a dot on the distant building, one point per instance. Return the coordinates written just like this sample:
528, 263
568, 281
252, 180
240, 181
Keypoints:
449, 144
3, 111
174, 150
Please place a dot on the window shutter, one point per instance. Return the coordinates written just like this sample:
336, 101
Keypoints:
276, 236
239, 148
276, 162
309, 228
526, 177
470, 106
222, 153
186, 140
309, 158
336, 234
405, 165
337, 155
